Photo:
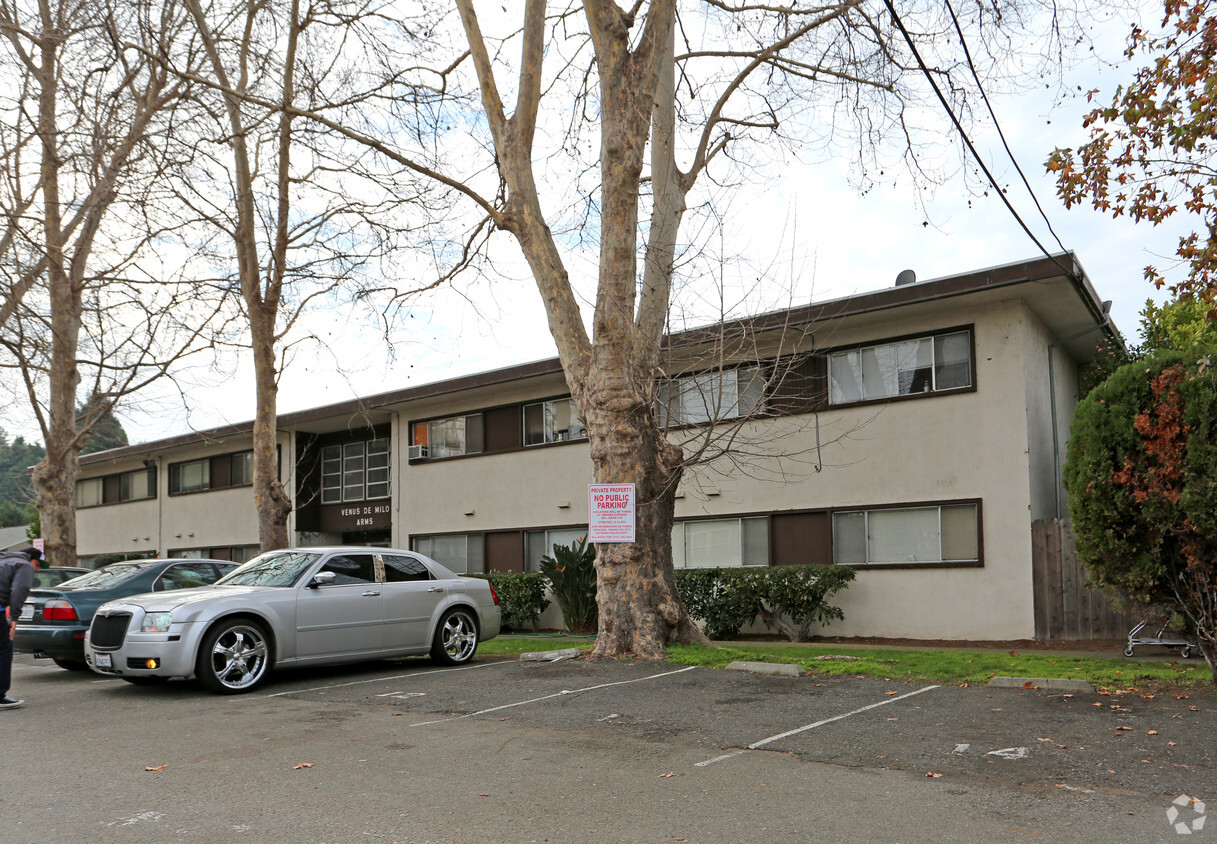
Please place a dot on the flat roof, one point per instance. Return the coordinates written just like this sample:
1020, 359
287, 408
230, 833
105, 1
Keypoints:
1062, 298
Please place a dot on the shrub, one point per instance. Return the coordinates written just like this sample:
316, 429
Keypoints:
1141, 474
793, 598
719, 598
786, 598
521, 598
572, 577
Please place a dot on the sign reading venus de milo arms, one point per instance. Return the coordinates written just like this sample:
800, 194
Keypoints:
370, 515
611, 512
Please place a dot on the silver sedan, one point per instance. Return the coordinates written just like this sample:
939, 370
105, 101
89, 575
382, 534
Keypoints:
295, 607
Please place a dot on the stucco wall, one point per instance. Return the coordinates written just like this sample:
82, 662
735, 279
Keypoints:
216, 518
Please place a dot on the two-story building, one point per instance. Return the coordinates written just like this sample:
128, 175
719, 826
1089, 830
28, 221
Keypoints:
915, 432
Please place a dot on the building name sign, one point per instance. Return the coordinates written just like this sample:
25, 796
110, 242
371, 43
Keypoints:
337, 517
611, 512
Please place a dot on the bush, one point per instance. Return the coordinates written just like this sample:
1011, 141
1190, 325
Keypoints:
521, 598
793, 598
1141, 474
719, 598
572, 577
786, 598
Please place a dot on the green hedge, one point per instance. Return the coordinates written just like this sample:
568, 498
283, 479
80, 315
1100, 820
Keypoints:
789, 599
521, 598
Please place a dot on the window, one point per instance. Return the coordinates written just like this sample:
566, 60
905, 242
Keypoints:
111, 489
190, 477
242, 469
89, 492
720, 543
552, 422
907, 367
941, 534
449, 437
134, 486
355, 471
540, 543
711, 396
351, 569
460, 552
222, 471
404, 569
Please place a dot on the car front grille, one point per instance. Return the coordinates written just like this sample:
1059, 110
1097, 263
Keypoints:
109, 631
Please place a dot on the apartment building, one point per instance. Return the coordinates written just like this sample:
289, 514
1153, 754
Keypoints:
915, 432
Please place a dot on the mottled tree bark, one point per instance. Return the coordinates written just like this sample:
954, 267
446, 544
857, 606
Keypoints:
611, 374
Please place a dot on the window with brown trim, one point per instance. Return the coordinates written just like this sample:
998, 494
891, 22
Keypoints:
933, 363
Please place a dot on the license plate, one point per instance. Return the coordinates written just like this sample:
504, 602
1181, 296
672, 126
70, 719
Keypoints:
103, 660
26, 614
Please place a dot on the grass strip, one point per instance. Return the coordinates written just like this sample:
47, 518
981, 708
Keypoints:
942, 666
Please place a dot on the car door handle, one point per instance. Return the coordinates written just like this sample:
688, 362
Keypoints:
436, 589
370, 594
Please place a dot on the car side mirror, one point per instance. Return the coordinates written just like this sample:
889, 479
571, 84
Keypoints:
321, 578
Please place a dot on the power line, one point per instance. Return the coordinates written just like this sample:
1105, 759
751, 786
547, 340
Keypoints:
963, 133
997, 125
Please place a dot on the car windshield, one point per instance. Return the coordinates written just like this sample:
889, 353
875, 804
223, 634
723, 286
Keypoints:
105, 577
276, 568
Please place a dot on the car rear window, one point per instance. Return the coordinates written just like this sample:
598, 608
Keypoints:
110, 575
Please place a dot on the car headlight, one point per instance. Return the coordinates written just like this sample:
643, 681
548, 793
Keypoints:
156, 622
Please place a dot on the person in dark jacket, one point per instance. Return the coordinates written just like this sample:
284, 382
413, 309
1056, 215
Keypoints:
16, 578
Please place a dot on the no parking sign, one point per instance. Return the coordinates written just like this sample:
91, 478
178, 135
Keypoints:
610, 512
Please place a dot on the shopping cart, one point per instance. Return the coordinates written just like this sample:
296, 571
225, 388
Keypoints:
1163, 639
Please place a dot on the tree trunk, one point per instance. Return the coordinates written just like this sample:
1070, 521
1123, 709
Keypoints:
640, 609
270, 499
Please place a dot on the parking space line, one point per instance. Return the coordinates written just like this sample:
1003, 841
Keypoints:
562, 693
395, 677
759, 744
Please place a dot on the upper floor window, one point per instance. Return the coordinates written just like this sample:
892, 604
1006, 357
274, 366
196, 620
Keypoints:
90, 492
219, 472
449, 437
190, 477
355, 471
127, 486
906, 367
949, 533
242, 468
711, 396
552, 422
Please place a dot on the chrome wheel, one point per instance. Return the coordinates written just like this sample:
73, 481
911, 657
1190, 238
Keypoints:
234, 657
456, 639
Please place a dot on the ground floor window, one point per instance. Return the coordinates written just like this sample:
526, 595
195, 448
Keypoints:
461, 552
713, 543
948, 533
540, 543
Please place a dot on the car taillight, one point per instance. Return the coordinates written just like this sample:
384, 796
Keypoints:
493, 594
58, 611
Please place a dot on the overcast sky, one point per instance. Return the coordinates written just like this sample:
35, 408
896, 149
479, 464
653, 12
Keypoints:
810, 232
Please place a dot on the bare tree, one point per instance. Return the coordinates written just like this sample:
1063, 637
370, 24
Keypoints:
745, 75
83, 140
305, 224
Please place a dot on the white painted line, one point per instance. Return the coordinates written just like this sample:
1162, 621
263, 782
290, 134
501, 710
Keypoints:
562, 693
384, 679
794, 732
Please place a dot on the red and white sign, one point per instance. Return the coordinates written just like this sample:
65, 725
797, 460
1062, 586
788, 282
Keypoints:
611, 512
40, 544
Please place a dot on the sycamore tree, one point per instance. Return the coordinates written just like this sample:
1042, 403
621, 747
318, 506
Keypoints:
602, 130
91, 302
1150, 150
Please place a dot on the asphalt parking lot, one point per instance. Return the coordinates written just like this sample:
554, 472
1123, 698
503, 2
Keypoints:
510, 751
